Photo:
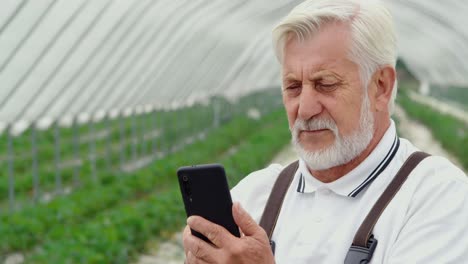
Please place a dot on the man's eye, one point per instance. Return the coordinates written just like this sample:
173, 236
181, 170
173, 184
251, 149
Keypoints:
327, 86
292, 87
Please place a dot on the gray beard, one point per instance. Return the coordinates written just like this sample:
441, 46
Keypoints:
344, 148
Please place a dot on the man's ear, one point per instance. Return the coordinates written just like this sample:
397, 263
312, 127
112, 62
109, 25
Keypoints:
384, 79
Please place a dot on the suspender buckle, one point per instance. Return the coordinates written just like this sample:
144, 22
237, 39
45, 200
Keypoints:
273, 246
361, 255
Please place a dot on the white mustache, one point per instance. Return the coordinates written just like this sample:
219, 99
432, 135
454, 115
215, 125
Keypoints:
314, 124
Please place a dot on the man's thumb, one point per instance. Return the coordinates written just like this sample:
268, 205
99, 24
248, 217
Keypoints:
247, 225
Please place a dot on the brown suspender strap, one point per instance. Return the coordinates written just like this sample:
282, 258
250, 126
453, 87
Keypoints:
273, 206
364, 232
363, 244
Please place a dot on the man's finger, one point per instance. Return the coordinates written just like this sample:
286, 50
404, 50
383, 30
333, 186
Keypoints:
185, 235
245, 222
200, 249
191, 259
217, 234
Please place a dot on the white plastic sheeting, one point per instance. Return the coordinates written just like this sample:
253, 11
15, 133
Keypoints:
84, 59
433, 39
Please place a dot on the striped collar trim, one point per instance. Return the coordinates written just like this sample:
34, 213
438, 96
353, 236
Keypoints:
380, 168
305, 185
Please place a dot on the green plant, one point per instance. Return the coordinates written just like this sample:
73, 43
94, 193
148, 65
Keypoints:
127, 225
450, 131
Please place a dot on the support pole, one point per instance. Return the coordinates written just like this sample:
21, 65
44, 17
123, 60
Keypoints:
58, 176
108, 144
92, 150
11, 172
216, 112
76, 152
36, 191
122, 142
154, 133
143, 126
134, 137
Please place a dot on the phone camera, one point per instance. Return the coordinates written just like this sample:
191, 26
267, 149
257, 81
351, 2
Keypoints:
186, 184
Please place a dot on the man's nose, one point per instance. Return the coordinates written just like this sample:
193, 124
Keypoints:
309, 103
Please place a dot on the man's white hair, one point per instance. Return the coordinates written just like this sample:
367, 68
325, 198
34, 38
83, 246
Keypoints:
373, 35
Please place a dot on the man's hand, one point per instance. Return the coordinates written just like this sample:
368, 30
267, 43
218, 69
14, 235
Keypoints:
252, 247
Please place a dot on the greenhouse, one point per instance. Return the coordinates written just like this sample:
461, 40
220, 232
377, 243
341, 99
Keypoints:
101, 101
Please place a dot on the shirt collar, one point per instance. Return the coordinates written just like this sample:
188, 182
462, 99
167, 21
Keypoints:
360, 177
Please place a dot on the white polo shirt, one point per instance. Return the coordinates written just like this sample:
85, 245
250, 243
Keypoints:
426, 222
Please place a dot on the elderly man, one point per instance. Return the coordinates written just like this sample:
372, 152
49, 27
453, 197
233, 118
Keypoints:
339, 83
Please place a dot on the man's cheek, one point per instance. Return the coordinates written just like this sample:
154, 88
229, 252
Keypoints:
292, 115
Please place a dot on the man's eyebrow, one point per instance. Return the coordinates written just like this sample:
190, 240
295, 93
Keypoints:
289, 77
322, 75
319, 73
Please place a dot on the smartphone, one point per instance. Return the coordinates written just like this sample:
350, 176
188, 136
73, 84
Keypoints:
205, 193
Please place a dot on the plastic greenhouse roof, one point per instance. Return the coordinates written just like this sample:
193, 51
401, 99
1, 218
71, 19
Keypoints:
61, 60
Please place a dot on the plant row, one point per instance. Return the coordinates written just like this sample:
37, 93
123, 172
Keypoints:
110, 152
31, 224
118, 234
101, 156
451, 94
451, 132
